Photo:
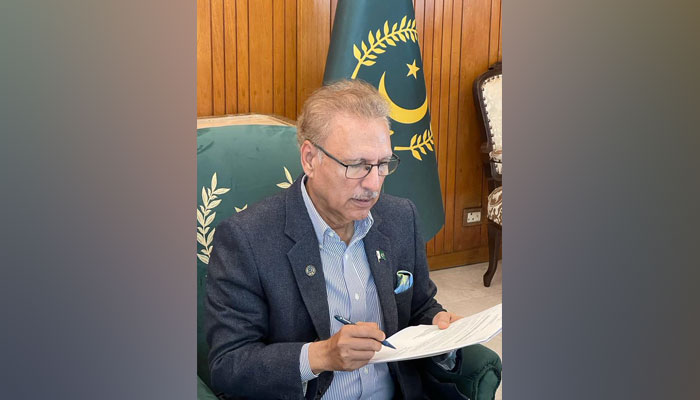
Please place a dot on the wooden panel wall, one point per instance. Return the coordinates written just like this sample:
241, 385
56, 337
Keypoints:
267, 56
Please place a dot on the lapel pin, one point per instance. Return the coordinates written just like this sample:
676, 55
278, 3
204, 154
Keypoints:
380, 255
310, 270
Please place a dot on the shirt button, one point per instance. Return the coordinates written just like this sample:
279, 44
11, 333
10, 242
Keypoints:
357, 296
346, 256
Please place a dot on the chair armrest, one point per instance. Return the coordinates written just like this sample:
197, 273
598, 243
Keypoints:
477, 374
496, 161
203, 391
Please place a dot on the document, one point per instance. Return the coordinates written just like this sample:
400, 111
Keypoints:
428, 340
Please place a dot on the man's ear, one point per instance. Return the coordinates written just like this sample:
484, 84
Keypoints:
308, 152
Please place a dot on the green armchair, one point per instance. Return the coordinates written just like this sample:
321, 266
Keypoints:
238, 165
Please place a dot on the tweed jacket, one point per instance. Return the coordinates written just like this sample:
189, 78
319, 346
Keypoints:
262, 306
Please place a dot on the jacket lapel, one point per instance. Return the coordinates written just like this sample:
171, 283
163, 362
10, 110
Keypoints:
383, 273
305, 254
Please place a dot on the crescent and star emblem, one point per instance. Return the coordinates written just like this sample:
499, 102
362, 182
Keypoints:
400, 114
379, 42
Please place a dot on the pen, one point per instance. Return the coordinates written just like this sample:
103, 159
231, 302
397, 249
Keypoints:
346, 321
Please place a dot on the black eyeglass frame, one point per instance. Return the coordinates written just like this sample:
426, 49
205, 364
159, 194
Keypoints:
393, 157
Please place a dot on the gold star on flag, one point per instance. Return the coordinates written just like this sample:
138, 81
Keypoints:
412, 69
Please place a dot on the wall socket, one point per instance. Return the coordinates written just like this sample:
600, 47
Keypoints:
471, 216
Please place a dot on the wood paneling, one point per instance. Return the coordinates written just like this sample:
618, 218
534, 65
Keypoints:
230, 57
278, 44
475, 40
495, 32
204, 69
217, 57
242, 52
260, 58
290, 59
267, 56
313, 38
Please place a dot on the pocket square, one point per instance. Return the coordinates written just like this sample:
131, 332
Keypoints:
404, 281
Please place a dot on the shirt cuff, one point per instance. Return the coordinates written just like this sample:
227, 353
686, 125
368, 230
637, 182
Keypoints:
304, 367
447, 361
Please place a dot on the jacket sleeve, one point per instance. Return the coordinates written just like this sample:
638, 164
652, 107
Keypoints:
242, 363
423, 306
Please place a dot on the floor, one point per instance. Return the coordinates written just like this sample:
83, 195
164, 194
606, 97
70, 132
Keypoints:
461, 290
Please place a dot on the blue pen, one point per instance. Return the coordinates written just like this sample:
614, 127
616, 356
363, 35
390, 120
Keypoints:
346, 321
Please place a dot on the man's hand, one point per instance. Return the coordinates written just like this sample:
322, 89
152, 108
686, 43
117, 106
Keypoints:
443, 319
349, 349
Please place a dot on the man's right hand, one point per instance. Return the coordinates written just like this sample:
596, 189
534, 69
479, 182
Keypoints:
349, 349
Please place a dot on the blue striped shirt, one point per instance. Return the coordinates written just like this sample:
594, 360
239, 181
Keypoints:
351, 293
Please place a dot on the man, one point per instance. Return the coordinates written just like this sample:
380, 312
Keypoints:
328, 245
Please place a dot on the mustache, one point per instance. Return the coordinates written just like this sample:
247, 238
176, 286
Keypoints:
367, 195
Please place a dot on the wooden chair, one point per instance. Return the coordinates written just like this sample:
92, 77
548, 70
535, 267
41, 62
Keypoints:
488, 96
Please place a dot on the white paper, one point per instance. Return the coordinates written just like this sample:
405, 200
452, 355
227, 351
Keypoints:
428, 340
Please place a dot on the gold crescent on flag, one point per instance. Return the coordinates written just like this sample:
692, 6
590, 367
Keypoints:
400, 114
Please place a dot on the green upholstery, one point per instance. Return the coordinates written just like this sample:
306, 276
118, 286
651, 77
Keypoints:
241, 164
237, 166
477, 374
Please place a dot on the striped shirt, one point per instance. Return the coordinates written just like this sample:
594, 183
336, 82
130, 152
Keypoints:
352, 294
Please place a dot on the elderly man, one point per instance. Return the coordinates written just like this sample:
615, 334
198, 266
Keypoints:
328, 245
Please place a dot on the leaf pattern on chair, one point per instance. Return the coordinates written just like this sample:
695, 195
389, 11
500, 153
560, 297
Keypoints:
288, 183
206, 213
205, 217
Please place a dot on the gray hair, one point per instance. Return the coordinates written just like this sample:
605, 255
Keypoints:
354, 98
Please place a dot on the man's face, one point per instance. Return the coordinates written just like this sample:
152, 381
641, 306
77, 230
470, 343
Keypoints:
352, 140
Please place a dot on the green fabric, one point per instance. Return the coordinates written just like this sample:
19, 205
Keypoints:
478, 372
203, 391
372, 39
250, 162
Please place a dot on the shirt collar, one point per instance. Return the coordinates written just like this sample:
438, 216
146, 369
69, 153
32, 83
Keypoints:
322, 229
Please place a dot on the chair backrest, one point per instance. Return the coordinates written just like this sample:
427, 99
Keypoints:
237, 165
488, 89
488, 94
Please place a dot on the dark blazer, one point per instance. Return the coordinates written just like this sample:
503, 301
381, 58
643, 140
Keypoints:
262, 306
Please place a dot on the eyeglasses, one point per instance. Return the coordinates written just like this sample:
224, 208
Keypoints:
359, 171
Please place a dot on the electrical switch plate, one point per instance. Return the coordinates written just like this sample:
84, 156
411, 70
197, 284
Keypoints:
471, 216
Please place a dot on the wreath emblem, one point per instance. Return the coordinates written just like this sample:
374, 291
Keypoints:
402, 31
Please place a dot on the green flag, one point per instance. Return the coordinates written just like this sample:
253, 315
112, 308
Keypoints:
377, 41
